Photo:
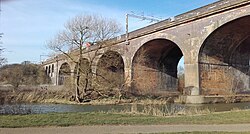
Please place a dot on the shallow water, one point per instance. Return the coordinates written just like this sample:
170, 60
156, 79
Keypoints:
49, 108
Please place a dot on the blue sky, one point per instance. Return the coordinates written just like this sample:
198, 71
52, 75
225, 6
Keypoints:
28, 24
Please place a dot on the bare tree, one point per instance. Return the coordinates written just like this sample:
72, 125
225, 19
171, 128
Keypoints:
181, 78
79, 31
2, 60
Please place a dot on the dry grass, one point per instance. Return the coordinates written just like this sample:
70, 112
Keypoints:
35, 95
162, 110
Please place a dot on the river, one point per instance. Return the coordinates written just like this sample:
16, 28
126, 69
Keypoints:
49, 108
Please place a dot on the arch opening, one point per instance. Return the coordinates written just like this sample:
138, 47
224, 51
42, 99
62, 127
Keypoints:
181, 75
155, 67
110, 71
224, 59
64, 74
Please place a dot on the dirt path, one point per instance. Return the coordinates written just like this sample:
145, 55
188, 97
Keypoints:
126, 129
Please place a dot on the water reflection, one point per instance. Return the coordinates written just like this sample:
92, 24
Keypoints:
49, 108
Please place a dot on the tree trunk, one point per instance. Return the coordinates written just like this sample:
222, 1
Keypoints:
77, 84
78, 73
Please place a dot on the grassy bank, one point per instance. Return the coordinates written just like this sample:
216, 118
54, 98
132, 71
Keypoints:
35, 94
59, 94
70, 119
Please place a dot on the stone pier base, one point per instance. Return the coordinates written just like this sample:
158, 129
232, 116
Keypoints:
200, 99
192, 99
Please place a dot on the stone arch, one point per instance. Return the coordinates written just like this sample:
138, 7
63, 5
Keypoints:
110, 70
154, 67
166, 36
224, 59
218, 22
64, 74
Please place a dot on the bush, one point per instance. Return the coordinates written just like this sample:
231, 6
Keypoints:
23, 74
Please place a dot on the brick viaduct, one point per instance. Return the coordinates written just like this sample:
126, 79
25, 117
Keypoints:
214, 41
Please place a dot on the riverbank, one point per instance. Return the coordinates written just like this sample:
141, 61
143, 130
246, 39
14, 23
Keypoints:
102, 118
34, 94
61, 95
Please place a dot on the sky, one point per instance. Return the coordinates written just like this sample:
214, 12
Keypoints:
28, 24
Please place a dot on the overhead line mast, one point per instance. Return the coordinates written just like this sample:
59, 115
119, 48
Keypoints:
142, 17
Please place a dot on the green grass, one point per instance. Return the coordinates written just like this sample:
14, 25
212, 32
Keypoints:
69, 119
